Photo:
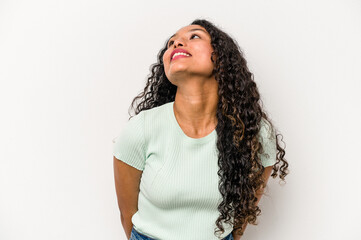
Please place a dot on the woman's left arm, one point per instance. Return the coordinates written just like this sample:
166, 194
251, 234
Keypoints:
266, 174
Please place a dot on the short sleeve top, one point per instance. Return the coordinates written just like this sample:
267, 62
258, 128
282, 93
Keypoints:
179, 182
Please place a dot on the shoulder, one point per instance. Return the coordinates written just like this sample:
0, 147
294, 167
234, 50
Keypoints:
156, 112
148, 122
266, 130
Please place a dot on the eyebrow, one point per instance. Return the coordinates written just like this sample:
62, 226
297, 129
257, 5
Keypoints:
192, 30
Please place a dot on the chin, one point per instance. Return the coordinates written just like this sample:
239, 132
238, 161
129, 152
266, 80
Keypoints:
178, 72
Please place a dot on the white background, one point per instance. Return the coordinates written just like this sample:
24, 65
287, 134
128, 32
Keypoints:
69, 70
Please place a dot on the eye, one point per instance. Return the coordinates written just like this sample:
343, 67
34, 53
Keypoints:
171, 42
194, 35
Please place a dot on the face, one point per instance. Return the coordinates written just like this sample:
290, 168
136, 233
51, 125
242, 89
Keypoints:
197, 42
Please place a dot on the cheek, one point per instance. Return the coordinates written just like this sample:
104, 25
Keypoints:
165, 62
166, 58
206, 53
206, 58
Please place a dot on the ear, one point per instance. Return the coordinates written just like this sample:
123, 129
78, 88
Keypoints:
213, 57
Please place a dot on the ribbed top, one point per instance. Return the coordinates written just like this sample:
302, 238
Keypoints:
179, 193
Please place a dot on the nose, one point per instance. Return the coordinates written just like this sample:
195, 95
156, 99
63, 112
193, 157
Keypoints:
178, 42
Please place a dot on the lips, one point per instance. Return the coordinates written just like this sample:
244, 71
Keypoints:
177, 51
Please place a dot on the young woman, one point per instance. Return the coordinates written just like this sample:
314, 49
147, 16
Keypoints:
196, 157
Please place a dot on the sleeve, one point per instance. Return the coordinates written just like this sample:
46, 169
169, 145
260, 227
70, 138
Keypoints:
268, 140
129, 145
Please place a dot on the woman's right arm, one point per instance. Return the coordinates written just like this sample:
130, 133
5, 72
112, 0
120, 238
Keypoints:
127, 181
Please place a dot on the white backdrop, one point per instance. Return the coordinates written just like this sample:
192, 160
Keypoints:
69, 70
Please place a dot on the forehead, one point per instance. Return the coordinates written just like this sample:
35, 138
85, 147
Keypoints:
189, 28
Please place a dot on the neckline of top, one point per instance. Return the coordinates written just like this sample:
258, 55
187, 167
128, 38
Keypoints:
171, 114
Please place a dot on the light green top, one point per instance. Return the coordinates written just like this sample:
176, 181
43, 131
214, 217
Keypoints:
179, 193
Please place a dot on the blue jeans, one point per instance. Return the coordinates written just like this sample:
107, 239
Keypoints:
139, 236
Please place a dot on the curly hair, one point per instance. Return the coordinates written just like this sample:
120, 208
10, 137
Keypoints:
239, 113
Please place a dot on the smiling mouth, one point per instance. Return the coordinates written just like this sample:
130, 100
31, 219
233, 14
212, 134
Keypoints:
180, 55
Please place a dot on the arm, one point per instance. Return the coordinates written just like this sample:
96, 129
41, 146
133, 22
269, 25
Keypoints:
266, 174
127, 180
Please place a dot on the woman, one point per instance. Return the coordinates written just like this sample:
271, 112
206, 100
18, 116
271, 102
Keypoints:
195, 158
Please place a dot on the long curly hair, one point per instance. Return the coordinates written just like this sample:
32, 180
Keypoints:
239, 113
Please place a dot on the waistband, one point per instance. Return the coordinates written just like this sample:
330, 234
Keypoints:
140, 236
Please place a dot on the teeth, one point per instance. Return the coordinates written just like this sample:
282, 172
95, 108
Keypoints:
180, 53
